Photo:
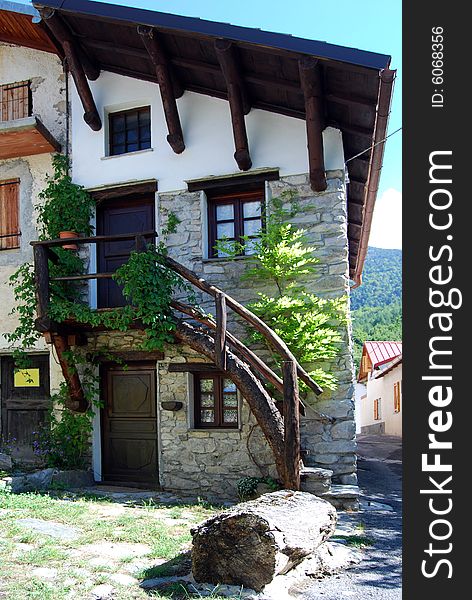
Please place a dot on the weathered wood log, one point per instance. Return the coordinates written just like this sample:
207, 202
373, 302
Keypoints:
253, 542
291, 425
162, 68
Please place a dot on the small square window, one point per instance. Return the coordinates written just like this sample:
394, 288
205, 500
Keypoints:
129, 130
216, 401
237, 217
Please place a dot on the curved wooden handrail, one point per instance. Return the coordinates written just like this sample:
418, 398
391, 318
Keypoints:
274, 340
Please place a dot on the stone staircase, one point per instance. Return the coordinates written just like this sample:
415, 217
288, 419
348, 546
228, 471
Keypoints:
317, 481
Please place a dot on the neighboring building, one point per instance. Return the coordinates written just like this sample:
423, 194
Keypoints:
233, 104
380, 375
32, 126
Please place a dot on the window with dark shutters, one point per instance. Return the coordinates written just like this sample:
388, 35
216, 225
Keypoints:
9, 214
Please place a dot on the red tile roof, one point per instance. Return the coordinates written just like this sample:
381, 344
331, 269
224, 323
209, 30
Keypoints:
382, 352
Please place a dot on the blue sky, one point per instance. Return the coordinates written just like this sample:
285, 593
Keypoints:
367, 24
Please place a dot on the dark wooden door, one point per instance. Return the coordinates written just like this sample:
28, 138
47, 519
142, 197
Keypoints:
129, 424
24, 404
115, 217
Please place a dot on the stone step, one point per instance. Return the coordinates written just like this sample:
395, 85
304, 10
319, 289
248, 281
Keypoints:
343, 497
315, 480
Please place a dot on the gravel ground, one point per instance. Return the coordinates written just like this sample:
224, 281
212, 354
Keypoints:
378, 576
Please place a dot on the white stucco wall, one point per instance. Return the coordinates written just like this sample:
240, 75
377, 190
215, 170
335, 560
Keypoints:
274, 140
382, 388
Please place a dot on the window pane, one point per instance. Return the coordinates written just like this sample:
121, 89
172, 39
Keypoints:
132, 147
118, 149
132, 135
207, 416
131, 120
145, 133
118, 123
225, 230
250, 246
230, 416
144, 145
252, 227
230, 401
229, 385
119, 138
207, 401
252, 209
206, 385
224, 212
145, 117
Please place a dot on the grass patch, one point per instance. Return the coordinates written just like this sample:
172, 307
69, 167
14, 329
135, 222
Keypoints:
98, 521
358, 541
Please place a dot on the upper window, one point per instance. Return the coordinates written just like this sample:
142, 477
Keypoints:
236, 217
9, 214
15, 101
216, 401
129, 130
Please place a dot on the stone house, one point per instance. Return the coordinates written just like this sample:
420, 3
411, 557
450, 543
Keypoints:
32, 127
209, 121
380, 374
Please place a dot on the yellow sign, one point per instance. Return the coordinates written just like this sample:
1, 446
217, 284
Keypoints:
26, 378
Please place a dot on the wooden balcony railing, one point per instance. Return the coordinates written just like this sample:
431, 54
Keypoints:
291, 369
15, 101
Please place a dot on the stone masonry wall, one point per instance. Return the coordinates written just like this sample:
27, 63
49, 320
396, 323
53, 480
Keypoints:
209, 463
324, 216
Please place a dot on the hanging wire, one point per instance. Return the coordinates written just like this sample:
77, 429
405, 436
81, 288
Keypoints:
373, 145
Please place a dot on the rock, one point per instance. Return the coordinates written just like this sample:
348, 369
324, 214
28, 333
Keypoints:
73, 479
51, 528
250, 543
44, 573
102, 592
123, 579
5, 462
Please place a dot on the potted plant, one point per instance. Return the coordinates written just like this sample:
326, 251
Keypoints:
67, 208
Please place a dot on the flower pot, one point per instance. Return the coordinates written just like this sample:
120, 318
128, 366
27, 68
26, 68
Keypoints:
68, 234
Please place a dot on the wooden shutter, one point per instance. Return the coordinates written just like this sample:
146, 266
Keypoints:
377, 409
9, 214
396, 396
15, 101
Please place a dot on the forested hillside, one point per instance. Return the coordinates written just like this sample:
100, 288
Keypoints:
376, 304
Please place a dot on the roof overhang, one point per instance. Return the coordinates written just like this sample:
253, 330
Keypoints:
25, 137
355, 85
17, 27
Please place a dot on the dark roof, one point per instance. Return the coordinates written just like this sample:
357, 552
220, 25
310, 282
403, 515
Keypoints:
357, 85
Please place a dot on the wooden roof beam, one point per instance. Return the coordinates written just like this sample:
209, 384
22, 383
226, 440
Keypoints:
238, 101
61, 32
75, 62
168, 90
310, 79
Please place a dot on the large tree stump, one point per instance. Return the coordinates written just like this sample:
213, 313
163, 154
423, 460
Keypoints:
252, 542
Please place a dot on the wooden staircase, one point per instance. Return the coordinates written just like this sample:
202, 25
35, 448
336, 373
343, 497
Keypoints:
209, 336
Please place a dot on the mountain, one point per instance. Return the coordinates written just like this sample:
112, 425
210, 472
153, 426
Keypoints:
376, 304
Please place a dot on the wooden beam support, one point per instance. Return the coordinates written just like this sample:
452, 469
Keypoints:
166, 87
77, 403
76, 63
291, 426
311, 85
238, 102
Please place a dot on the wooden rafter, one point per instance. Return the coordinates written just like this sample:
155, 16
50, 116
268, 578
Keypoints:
238, 101
168, 89
77, 63
311, 86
